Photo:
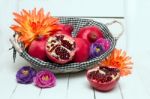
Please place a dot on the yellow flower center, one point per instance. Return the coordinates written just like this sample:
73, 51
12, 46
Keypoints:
98, 49
46, 78
25, 72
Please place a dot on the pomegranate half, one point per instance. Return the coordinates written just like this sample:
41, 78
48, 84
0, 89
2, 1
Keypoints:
103, 78
60, 48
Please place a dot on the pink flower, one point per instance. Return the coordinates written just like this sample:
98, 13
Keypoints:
45, 79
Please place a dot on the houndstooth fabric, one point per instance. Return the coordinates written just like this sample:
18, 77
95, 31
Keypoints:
73, 67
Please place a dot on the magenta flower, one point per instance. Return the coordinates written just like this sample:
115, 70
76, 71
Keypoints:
99, 47
25, 75
45, 79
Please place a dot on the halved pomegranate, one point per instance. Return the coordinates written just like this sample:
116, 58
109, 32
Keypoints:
103, 78
60, 48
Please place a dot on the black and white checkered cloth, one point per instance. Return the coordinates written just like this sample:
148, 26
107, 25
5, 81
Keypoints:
73, 67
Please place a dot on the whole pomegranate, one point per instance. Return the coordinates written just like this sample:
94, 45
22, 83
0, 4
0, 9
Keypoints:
60, 48
37, 48
66, 28
90, 33
103, 78
82, 50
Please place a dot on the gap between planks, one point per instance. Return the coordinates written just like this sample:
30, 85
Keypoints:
121, 93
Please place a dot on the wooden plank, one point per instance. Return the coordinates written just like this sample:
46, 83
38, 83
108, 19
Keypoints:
17, 90
141, 67
133, 88
7, 73
114, 94
7, 84
59, 91
105, 8
26, 92
6, 20
79, 87
138, 31
7, 76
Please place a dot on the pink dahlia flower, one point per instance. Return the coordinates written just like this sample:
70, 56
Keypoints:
45, 79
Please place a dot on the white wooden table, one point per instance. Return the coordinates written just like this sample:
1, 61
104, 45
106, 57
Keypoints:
71, 86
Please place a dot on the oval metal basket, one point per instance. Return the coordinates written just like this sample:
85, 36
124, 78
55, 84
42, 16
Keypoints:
70, 67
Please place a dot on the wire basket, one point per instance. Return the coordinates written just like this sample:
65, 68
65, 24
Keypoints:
77, 23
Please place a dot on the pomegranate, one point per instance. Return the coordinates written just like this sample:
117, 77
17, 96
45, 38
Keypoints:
90, 33
66, 28
82, 50
37, 48
60, 48
103, 78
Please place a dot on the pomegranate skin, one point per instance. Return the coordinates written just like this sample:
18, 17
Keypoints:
90, 33
82, 50
106, 86
58, 50
66, 28
103, 86
37, 49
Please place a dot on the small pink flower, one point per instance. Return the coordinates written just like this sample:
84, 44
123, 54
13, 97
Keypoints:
45, 79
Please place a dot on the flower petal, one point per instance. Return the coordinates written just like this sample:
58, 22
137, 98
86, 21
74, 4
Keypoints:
119, 59
42, 82
31, 24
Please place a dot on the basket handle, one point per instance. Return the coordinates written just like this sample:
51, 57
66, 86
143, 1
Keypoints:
121, 32
15, 44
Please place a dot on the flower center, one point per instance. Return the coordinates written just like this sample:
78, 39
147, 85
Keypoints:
25, 72
45, 77
98, 49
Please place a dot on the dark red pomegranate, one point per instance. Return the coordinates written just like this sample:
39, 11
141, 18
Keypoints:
66, 28
82, 50
90, 33
103, 78
37, 48
60, 48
